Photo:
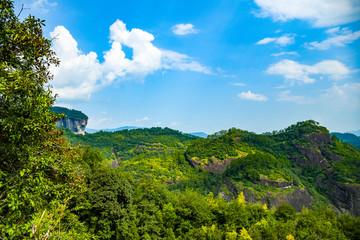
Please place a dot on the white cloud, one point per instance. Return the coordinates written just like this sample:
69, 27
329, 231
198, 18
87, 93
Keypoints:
178, 61
343, 96
80, 74
294, 71
338, 37
284, 53
252, 96
146, 57
142, 119
238, 84
284, 40
42, 6
184, 29
287, 97
320, 13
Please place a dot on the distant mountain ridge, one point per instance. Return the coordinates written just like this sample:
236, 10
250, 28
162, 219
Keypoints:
90, 130
348, 137
357, 133
199, 134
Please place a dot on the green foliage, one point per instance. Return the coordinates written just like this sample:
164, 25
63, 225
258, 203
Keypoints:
69, 113
253, 165
285, 212
39, 171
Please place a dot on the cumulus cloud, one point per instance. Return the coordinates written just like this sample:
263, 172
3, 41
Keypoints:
284, 40
184, 29
81, 74
252, 96
320, 13
78, 74
294, 71
146, 57
339, 37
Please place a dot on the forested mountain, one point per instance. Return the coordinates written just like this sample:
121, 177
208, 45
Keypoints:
301, 164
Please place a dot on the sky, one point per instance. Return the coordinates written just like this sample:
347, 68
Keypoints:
206, 66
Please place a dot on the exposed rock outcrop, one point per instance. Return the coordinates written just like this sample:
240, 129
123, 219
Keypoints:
316, 152
77, 126
298, 198
345, 197
212, 165
264, 181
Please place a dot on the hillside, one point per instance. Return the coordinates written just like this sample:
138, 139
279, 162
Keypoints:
301, 164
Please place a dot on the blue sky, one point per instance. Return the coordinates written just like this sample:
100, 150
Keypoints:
258, 65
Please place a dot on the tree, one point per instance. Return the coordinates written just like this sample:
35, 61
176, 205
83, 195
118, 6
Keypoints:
39, 171
25, 99
285, 212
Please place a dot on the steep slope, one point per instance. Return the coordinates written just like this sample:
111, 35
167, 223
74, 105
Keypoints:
285, 165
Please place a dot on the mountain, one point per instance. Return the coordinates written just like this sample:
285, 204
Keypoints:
357, 133
199, 134
74, 120
89, 130
349, 138
302, 165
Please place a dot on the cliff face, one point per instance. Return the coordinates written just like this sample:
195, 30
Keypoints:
77, 126
295, 196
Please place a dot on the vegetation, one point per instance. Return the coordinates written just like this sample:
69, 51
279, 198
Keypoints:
69, 113
53, 188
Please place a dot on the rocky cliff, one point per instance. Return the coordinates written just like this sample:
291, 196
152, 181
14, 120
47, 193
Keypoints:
77, 126
74, 120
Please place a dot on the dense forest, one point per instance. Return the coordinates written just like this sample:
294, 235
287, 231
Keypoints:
155, 183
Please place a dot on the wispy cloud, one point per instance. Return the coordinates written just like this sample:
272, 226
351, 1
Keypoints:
284, 53
296, 72
286, 96
142, 119
238, 84
320, 13
42, 6
339, 37
284, 40
184, 29
252, 96
182, 62
343, 96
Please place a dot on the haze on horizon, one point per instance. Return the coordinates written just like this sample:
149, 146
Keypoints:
205, 66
